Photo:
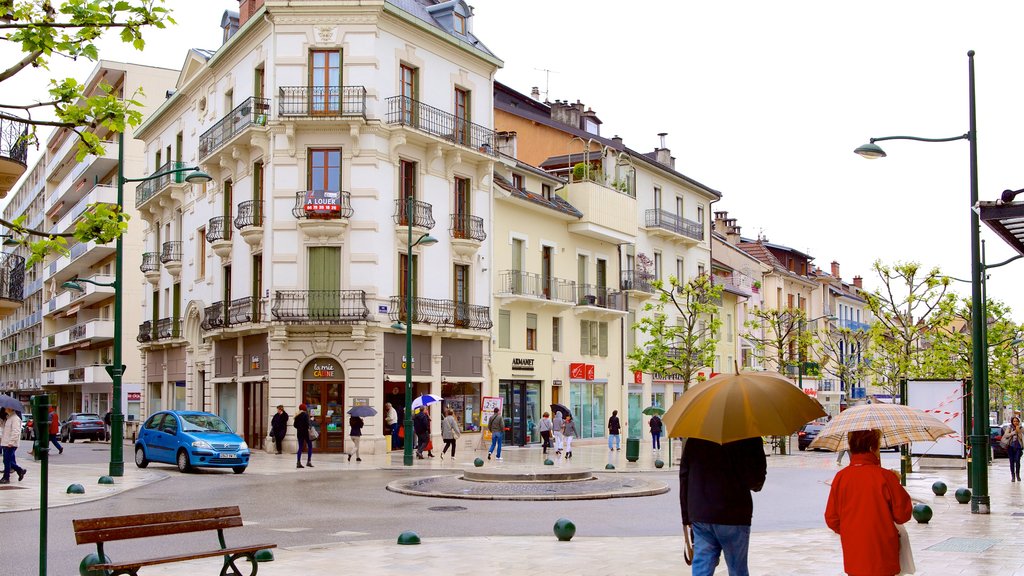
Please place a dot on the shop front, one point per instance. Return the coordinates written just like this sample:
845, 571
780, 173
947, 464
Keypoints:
394, 372
462, 381
323, 393
521, 400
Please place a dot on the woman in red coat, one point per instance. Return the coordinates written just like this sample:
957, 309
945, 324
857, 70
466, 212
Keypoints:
864, 506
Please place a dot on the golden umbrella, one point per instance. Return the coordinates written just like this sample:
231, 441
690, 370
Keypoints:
899, 425
732, 407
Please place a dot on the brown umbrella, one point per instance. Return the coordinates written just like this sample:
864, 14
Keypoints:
732, 407
899, 425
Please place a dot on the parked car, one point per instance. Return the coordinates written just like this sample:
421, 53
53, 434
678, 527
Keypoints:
27, 430
82, 425
806, 435
190, 439
995, 435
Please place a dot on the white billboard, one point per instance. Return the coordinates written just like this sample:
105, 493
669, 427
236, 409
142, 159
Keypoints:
943, 399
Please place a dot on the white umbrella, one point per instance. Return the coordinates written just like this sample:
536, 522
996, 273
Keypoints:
425, 400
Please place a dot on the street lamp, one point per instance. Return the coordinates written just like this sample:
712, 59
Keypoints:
424, 240
116, 369
980, 501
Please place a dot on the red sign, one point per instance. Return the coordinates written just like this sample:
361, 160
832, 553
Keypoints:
577, 371
638, 377
135, 396
590, 371
811, 392
322, 203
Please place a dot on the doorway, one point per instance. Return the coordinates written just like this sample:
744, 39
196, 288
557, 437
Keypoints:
521, 410
254, 425
324, 402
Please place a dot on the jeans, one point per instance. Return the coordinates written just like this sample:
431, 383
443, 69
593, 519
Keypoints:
497, 438
1013, 453
396, 442
710, 540
10, 463
546, 437
617, 438
448, 442
421, 442
53, 440
656, 440
309, 450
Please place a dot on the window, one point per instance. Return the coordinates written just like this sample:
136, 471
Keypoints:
201, 254
504, 329
593, 338
681, 271
700, 270
657, 198
460, 210
324, 170
459, 23
462, 132
556, 334
324, 80
630, 331
407, 171
700, 215
728, 327
409, 89
463, 398
517, 181
657, 265
531, 331
679, 207
546, 191
460, 282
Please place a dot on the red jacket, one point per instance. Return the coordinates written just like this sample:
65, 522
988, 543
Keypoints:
864, 506
54, 424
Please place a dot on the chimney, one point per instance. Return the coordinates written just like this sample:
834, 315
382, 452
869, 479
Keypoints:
733, 235
721, 222
566, 113
618, 140
246, 8
662, 154
835, 270
858, 282
535, 93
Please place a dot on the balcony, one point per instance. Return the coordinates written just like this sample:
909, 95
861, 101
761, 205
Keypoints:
99, 194
146, 193
516, 286
151, 267
853, 325
320, 306
323, 214
422, 220
442, 313
92, 374
81, 335
12, 283
163, 329
250, 117
250, 222
13, 153
70, 302
637, 283
321, 102
599, 301
237, 312
467, 234
608, 215
79, 261
732, 283
170, 257
218, 234
448, 127
672, 227
81, 177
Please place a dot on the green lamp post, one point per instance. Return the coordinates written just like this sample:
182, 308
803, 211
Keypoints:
424, 240
116, 369
980, 501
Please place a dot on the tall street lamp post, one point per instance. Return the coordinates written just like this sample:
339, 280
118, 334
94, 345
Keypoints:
116, 369
980, 501
424, 240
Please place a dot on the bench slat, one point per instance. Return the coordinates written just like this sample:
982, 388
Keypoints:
180, 557
154, 518
155, 529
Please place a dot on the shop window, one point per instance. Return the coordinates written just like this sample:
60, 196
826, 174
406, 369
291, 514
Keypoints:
463, 399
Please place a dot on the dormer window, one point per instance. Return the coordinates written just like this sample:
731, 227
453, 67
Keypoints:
459, 23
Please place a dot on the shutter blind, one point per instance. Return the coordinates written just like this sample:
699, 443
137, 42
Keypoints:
584, 337
504, 329
603, 337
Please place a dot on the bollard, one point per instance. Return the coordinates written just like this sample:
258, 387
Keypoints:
76, 489
609, 466
265, 555
564, 529
478, 462
922, 513
939, 488
963, 495
547, 462
91, 560
659, 463
408, 538
105, 480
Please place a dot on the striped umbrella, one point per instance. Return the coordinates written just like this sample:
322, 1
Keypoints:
899, 425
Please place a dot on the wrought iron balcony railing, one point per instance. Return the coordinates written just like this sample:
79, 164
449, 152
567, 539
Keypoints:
171, 252
218, 228
13, 143
442, 313
327, 306
12, 277
656, 218
323, 205
538, 286
600, 296
251, 112
466, 227
146, 190
408, 112
221, 314
145, 332
636, 280
250, 213
321, 101
150, 262
166, 328
422, 214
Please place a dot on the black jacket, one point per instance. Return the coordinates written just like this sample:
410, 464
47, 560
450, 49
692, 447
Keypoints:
655, 424
355, 424
715, 481
279, 424
613, 425
301, 424
421, 423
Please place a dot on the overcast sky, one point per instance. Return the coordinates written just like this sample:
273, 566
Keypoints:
765, 102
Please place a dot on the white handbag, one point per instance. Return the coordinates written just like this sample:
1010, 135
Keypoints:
906, 554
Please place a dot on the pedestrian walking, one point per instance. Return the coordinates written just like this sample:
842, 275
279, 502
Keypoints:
391, 425
557, 427
55, 429
421, 426
545, 431
9, 439
655, 425
613, 431
497, 427
1013, 442
106, 423
568, 433
839, 457
279, 427
865, 504
355, 431
304, 432
450, 433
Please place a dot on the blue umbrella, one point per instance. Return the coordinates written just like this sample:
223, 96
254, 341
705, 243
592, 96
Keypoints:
10, 402
362, 411
424, 400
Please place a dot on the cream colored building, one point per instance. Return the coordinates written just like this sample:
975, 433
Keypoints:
744, 276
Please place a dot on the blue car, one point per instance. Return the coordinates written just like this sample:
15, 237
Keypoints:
190, 439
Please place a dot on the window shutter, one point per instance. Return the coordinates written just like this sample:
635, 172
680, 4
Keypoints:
595, 338
603, 331
556, 334
584, 337
504, 329
531, 321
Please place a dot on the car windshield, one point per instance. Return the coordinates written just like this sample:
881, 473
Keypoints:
204, 423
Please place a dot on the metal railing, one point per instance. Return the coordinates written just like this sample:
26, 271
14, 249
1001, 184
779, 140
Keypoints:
467, 227
408, 112
145, 332
218, 228
13, 140
526, 284
250, 213
150, 262
171, 252
636, 280
657, 218
600, 296
422, 214
321, 101
251, 112
146, 190
12, 277
329, 306
238, 311
442, 313
166, 328
728, 281
317, 204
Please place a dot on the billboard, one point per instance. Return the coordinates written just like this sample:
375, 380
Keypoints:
943, 399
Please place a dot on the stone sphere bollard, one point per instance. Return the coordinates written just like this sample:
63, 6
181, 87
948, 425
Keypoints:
922, 513
105, 480
939, 488
549, 462
408, 538
265, 555
564, 529
963, 495
609, 466
76, 489
478, 462
659, 463
91, 560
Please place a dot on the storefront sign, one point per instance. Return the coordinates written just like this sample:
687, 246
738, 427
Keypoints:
580, 371
522, 364
254, 362
135, 396
590, 371
638, 377
811, 392
487, 406
322, 369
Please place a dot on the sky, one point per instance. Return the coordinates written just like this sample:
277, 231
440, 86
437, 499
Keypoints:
764, 102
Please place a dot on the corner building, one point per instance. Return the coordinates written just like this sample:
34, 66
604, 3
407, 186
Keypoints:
279, 281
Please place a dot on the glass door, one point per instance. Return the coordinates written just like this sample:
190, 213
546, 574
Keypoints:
326, 412
635, 406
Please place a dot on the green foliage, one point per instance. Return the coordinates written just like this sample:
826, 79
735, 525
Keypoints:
771, 332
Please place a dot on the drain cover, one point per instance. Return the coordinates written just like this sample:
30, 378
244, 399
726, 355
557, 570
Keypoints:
963, 545
447, 508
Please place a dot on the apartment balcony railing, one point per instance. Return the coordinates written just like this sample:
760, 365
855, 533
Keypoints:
467, 227
171, 252
326, 306
854, 325
521, 283
321, 101
145, 332
219, 228
96, 329
422, 214
600, 296
442, 313
657, 218
730, 282
12, 277
166, 328
251, 112
13, 151
250, 213
150, 262
150, 188
323, 204
408, 112
239, 311
637, 280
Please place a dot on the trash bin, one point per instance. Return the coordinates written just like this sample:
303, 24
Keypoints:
632, 449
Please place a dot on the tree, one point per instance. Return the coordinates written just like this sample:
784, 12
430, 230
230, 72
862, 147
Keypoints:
840, 347
41, 31
688, 345
773, 331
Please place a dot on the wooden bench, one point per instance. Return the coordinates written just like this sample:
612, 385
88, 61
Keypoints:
101, 530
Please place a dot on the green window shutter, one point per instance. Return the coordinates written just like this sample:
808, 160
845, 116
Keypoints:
176, 314
531, 321
324, 281
595, 338
584, 337
504, 329
556, 334
603, 338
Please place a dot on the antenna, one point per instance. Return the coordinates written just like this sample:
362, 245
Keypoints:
547, 80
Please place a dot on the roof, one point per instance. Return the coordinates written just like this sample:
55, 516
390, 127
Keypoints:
419, 9
759, 249
1005, 219
556, 203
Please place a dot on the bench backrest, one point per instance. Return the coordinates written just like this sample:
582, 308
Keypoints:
93, 530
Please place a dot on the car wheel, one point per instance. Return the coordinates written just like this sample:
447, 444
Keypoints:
71, 439
140, 457
238, 469
183, 463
